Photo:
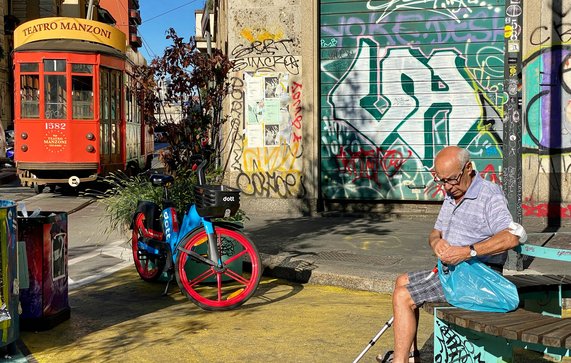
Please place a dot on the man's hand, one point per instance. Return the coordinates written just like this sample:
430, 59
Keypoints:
440, 247
455, 254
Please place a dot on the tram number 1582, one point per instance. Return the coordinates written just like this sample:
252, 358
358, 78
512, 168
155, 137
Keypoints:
55, 126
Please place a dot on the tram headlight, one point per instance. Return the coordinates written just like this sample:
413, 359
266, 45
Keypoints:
90, 148
24, 135
24, 148
90, 136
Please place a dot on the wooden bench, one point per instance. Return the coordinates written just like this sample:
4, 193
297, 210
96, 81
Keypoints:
538, 324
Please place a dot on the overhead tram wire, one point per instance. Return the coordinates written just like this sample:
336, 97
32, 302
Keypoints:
147, 47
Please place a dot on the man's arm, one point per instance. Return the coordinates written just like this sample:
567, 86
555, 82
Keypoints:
498, 243
434, 237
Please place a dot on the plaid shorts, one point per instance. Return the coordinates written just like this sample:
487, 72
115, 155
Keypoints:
422, 290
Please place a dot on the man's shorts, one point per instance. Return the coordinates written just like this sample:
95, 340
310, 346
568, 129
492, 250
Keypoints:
422, 290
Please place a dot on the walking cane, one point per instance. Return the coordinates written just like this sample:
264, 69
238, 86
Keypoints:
388, 324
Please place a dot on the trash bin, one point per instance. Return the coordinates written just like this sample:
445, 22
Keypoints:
9, 285
45, 302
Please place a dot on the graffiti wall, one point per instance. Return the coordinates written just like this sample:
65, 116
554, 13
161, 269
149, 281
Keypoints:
266, 101
547, 105
400, 80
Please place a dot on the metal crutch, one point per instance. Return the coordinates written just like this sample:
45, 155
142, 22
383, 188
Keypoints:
388, 324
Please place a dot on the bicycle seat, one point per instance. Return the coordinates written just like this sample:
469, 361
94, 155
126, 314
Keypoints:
161, 179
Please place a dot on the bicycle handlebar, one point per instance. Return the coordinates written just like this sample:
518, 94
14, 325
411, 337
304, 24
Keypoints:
200, 171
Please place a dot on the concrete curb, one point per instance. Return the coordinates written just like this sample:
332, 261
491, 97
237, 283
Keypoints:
305, 271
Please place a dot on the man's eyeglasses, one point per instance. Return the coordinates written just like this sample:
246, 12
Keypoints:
450, 181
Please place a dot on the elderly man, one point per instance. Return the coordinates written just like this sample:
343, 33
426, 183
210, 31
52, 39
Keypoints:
473, 222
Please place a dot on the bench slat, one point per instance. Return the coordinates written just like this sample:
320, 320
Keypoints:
522, 281
557, 337
535, 335
515, 331
498, 328
460, 317
469, 319
483, 323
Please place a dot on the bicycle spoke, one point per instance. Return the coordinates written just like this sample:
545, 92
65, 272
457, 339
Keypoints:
237, 277
219, 284
203, 276
236, 256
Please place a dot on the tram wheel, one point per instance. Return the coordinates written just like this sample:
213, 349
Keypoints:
38, 189
68, 190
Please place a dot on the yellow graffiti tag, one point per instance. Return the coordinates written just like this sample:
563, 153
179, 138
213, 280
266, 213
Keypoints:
285, 158
261, 35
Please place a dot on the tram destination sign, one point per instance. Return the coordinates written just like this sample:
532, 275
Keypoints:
69, 28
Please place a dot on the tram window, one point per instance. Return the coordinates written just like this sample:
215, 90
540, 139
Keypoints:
128, 104
82, 97
54, 65
104, 111
29, 67
81, 68
104, 85
115, 95
55, 97
30, 96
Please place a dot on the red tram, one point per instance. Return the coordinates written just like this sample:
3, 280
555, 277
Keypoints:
76, 114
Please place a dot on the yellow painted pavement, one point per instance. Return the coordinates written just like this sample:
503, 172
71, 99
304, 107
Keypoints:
123, 319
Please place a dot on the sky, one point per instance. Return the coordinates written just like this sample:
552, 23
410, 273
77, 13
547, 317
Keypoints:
159, 15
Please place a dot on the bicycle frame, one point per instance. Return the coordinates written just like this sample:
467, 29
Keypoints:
191, 221
173, 232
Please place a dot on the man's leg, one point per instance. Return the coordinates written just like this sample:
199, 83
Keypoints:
406, 320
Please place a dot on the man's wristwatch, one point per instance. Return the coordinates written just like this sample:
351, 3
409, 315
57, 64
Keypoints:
473, 252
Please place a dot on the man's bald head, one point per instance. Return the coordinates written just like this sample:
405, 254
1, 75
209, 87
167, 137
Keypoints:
451, 158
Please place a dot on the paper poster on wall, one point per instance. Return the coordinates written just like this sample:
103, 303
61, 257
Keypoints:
254, 87
255, 135
272, 87
254, 99
271, 135
271, 111
267, 102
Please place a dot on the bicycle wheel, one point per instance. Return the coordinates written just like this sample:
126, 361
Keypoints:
149, 267
218, 289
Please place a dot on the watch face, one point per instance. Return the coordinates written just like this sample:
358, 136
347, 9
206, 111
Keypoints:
473, 252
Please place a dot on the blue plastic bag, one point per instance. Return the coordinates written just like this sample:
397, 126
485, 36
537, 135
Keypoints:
474, 286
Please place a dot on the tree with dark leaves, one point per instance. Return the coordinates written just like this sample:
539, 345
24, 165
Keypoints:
198, 83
